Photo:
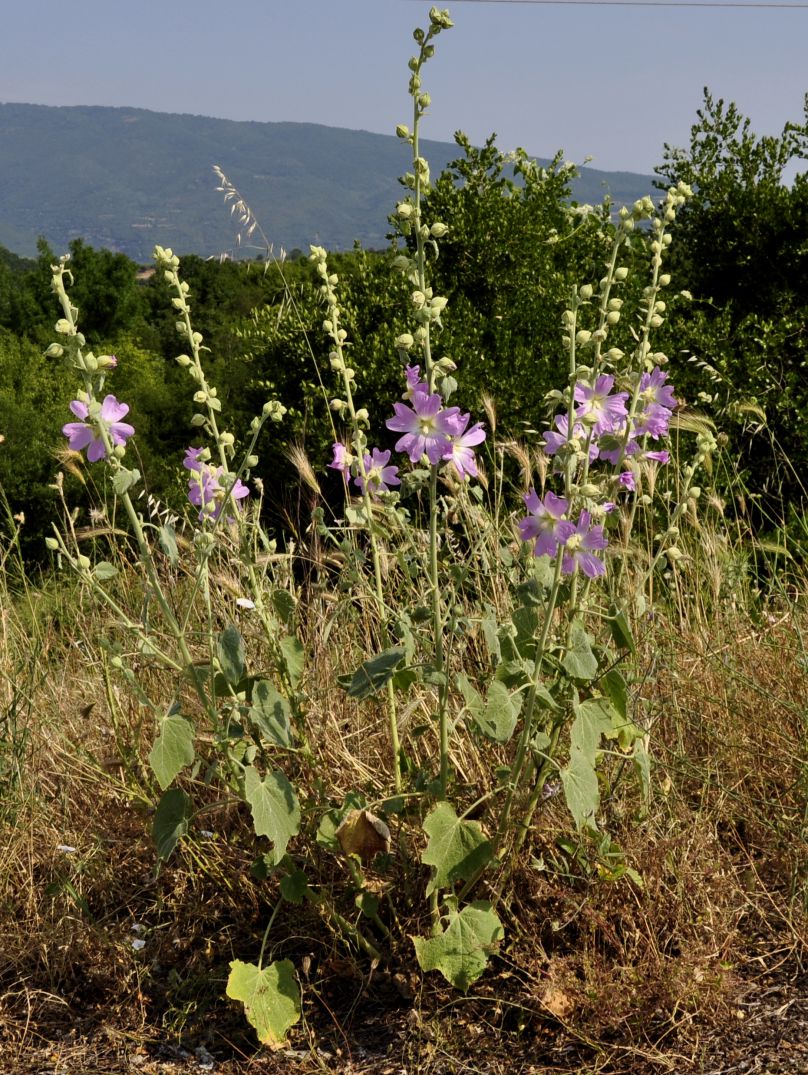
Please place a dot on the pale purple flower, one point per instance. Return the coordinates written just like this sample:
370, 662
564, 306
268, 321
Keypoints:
342, 460
554, 441
414, 382
653, 390
379, 475
460, 452
205, 490
546, 525
627, 480
652, 421
82, 435
602, 411
580, 548
658, 457
426, 426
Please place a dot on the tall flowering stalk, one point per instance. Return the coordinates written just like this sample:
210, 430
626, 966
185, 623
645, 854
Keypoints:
371, 472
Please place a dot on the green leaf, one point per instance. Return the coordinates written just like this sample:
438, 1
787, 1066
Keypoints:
496, 716
271, 997
294, 657
461, 952
457, 849
274, 806
168, 543
285, 605
173, 749
593, 718
123, 480
579, 661
617, 622
513, 673
270, 713
104, 570
230, 651
373, 674
615, 688
294, 886
170, 821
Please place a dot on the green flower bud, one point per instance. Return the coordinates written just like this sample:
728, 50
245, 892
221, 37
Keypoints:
52, 544
404, 210
438, 230
362, 415
582, 337
664, 280
83, 562
64, 328
621, 273
404, 342
612, 317
673, 554
251, 461
402, 131
585, 292
200, 397
198, 420
55, 351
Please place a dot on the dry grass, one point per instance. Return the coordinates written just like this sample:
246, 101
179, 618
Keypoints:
600, 975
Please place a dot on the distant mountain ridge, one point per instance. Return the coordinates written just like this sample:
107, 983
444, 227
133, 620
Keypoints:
127, 178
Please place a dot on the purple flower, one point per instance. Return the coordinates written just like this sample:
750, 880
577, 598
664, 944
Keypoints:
627, 480
83, 435
653, 390
580, 547
554, 441
601, 410
205, 490
427, 428
342, 460
658, 457
414, 382
546, 525
460, 452
379, 475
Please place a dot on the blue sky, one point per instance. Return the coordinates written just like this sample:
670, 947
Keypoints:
613, 83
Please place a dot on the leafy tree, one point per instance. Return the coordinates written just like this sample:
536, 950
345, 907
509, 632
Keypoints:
741, 249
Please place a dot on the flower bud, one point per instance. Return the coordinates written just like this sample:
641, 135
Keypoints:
612, 317
198, 420
404, 342
402, 131
337, 404
83, 562
362, 415
664, 279
582, 337
200, 397
64, 328
585, 292
52, 544
55, 351
621, 273
438, 230
404, 210
673, 554
251, 461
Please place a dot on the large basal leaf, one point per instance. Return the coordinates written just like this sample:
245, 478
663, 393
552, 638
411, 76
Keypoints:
457, 849
579, 660
374, 673
270, 996
170, 821
274, 806
230, 651
173, 749
461, 952
270, 714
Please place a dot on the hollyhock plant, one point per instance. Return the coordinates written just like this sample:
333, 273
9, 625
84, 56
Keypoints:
342, 459
462, 443
426, 425
82, 434
205, 490
580, 547
597, 407
414, 382
554, 441
546, 525
378, 475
